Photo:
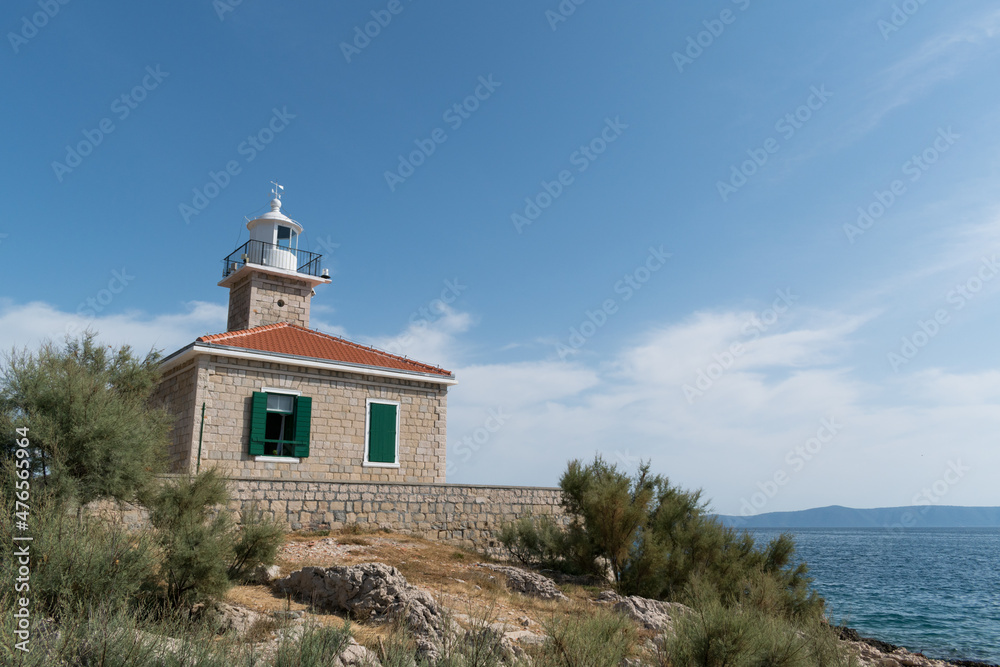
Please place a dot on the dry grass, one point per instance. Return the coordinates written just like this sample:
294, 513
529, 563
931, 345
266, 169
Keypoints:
452, 576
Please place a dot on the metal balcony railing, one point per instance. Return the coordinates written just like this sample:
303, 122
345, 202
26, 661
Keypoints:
275, 256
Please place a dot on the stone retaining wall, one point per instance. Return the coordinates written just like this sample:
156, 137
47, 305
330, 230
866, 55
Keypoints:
463, 515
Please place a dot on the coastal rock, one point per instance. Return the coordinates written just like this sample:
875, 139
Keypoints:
877, 653
527, 583
375, 592
652, 614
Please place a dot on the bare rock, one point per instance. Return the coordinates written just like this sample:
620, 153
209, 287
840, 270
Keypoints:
526, 638
652, 614
225, 618
356, 655
527, 583
264, 575
371, 591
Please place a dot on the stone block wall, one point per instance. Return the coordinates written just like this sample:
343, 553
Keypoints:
175, 393
261, 298
462, 515
337, 427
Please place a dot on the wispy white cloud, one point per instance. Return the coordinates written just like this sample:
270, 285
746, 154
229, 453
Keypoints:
921, 69
745, 425
518, 423
27, 325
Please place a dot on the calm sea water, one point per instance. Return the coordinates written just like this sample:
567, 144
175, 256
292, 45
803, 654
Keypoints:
935, 590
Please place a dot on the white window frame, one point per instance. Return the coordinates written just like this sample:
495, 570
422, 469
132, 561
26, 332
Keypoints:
278, 459
368, 417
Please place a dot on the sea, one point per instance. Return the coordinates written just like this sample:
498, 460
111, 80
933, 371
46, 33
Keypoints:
932, 590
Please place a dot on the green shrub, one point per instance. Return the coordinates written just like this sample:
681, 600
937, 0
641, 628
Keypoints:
74, 563
533, 541
203, 551
744, 636
92, 431
656, 539
194, 537
258, 539
318, 646
117, 636
603, 639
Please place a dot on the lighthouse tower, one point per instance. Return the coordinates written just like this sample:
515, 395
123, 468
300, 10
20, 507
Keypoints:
269, 278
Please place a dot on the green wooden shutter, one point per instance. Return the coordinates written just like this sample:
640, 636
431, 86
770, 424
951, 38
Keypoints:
382, 433
303, 413
258, 423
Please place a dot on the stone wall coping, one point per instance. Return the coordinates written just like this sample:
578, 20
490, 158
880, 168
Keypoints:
436, 485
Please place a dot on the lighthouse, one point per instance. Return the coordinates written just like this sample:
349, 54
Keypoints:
270, 279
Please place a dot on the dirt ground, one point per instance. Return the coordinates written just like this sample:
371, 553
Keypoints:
451, 575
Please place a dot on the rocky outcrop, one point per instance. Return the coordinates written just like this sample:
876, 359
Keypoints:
527, 582
651, 614
374, 592
876, 653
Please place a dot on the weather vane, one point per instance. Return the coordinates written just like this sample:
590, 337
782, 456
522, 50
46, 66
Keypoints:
277, 189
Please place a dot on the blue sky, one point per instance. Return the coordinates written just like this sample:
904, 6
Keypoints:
753, 243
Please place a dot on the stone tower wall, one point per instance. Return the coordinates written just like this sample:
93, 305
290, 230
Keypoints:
261, 298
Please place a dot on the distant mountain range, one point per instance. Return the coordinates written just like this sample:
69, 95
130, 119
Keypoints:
835, 516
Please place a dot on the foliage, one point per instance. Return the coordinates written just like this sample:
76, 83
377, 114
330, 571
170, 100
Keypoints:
74, 564
92, 431
717, 635
608, 510
203, 551
319, 646
257, 543
533, 541
603, 639
656, 539
195, 540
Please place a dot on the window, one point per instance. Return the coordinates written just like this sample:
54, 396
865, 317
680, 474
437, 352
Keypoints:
279, 424
286, 237
382, 434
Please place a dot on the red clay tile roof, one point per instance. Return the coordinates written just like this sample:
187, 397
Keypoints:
287, 338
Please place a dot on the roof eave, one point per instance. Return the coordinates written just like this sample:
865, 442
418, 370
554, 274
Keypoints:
199, 347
